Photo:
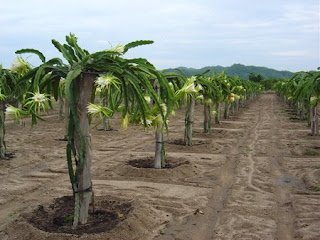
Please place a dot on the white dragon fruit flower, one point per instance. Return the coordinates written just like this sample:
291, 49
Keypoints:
148, 122
10, 110
163, 108
147, 98
16, 65
103, 81
192, 79
191, 89
125, 121
313, 100
93, 108
98, 89
188, 88
38, 101
39, 97
19, 65
200, 97
171, 86
13, 112
119, 49
199, 87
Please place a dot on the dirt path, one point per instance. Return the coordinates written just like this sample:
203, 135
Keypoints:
250, 178
259, 206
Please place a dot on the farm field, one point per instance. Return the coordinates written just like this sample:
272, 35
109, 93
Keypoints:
252, 177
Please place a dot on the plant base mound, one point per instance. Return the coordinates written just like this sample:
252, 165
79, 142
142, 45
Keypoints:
143, 167
8, 156
58, 217
182, 142
148, 162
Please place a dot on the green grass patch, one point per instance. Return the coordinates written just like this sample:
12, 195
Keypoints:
69, 218
311, 152
248, 149
317, 188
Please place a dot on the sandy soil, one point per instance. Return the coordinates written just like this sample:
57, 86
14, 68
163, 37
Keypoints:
252, 177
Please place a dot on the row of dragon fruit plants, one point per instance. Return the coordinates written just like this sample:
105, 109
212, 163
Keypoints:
302, 93
134, 87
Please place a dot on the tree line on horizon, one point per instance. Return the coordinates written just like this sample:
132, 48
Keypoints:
240, 70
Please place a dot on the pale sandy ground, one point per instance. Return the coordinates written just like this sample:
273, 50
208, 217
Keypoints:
250, 178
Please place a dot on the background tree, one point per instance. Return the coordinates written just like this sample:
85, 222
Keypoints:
13, 90
255, 78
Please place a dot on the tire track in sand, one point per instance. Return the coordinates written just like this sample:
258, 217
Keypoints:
258, 206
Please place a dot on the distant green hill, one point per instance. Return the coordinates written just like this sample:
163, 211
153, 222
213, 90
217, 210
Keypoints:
239, 70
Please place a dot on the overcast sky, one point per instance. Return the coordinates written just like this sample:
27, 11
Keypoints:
280, 34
